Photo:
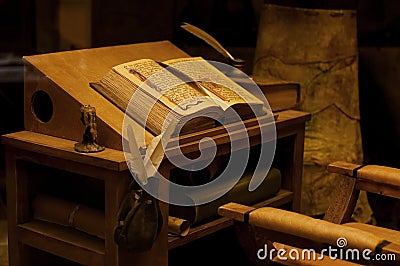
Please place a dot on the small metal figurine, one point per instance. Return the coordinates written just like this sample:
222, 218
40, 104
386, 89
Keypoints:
89, 141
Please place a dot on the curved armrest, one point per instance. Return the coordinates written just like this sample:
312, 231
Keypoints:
373, 178
316, 230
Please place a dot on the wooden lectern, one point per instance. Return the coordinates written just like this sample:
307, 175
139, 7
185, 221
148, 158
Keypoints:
42, 159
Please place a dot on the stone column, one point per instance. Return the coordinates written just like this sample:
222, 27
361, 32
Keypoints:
318, 49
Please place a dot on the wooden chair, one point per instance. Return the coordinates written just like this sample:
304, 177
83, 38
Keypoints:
296, 239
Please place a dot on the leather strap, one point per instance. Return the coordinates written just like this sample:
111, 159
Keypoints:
355, 170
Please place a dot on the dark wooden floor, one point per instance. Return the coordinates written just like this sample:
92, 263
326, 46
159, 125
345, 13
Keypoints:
221, 248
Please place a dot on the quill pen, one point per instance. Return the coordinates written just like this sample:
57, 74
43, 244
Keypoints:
208, 39
236, 62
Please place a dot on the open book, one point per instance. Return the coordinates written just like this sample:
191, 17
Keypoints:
190, 93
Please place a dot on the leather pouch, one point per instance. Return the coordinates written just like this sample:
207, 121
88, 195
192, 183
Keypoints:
139, 221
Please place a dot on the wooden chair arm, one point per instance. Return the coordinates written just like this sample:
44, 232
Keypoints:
343, 168
299, 225
373, 178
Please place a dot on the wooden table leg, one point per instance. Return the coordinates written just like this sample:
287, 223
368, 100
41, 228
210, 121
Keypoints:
17, 209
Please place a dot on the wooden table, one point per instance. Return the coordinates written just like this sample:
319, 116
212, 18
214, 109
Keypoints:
38, 163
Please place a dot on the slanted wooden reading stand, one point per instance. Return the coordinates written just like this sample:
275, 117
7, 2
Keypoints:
42, 160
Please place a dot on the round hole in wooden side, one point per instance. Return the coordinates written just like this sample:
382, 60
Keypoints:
42, 106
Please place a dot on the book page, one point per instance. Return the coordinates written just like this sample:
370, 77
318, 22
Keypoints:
214, 80
159, 83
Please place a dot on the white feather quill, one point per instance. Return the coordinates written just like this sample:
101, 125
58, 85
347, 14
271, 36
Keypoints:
208, 39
